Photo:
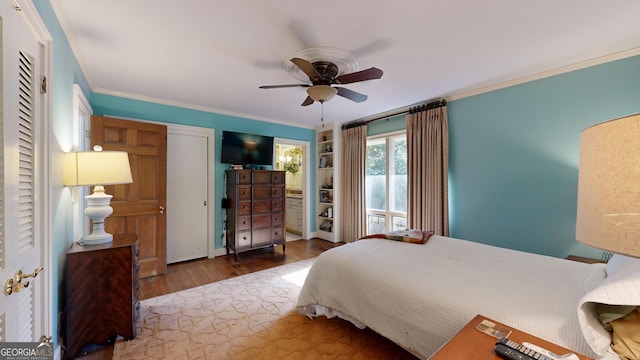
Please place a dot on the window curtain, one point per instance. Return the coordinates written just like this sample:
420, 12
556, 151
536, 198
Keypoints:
353, 209
428, 164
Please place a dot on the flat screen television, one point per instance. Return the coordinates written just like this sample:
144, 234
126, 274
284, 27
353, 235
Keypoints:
246, 149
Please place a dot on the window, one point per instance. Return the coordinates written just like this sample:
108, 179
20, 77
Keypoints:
386, 183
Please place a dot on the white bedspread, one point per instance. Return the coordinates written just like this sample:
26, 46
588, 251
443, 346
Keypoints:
419, 296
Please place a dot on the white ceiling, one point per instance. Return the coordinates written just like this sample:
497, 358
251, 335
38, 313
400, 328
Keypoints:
213, 54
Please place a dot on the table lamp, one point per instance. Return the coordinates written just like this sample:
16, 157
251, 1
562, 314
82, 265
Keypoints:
97, 168
608, 215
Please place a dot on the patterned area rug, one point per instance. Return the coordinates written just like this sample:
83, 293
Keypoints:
248, 317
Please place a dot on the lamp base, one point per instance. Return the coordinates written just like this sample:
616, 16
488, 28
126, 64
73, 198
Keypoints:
98, 209
95, 239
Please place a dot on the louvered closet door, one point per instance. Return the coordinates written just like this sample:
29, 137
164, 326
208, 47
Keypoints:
21, 159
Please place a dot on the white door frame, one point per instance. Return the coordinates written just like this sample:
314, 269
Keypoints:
82, 112
306, 168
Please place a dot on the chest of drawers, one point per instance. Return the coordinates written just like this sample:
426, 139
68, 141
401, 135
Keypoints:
256, 210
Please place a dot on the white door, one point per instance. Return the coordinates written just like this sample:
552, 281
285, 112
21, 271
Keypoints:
187, 196
23, 313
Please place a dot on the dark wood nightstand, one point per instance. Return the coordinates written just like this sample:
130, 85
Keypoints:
471, 344
102, 293
585, 259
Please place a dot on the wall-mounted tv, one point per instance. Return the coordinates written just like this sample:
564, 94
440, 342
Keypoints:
246, 149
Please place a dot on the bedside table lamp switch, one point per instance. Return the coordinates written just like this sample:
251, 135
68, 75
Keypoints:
97, 168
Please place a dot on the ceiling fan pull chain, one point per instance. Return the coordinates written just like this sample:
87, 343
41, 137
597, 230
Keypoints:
322, 113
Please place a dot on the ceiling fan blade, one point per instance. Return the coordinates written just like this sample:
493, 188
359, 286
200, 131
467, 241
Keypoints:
307, 68
308, 101
363, 75
283, 86
351, 95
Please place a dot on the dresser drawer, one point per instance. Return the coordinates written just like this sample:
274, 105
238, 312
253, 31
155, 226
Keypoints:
244, 208
278, 234
244, 192
243, 177
276, 219
261, 237
244, 238
261, 192
244, 222
261, 221
261, 206
277, 205
262, 177
277, 191
277, 177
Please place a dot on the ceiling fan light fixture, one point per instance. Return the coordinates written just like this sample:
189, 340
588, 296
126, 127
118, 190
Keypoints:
321, 93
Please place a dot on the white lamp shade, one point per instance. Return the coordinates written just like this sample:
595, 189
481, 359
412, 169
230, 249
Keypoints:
321, 93
97, 168
608, 215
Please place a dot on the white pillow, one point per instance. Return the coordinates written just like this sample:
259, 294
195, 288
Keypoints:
620, 287
617, 261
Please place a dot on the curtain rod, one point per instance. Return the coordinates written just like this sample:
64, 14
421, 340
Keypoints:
416, 109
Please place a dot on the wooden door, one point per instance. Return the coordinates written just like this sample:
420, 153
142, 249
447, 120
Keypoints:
138, 207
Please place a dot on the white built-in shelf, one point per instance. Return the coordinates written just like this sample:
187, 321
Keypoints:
327, 199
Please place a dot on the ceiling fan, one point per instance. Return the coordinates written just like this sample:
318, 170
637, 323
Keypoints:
323, 74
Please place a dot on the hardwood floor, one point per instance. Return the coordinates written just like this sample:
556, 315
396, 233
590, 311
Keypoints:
189, 274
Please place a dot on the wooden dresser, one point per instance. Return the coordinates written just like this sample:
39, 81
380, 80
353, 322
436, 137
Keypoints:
102, 293
255, 209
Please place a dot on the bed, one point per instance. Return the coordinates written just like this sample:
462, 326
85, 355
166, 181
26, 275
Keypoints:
421, 295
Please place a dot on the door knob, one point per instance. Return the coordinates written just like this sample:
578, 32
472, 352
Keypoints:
161, 209
15, 284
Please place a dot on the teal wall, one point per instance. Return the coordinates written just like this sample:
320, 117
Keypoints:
513, 167
108, 105
514, 156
